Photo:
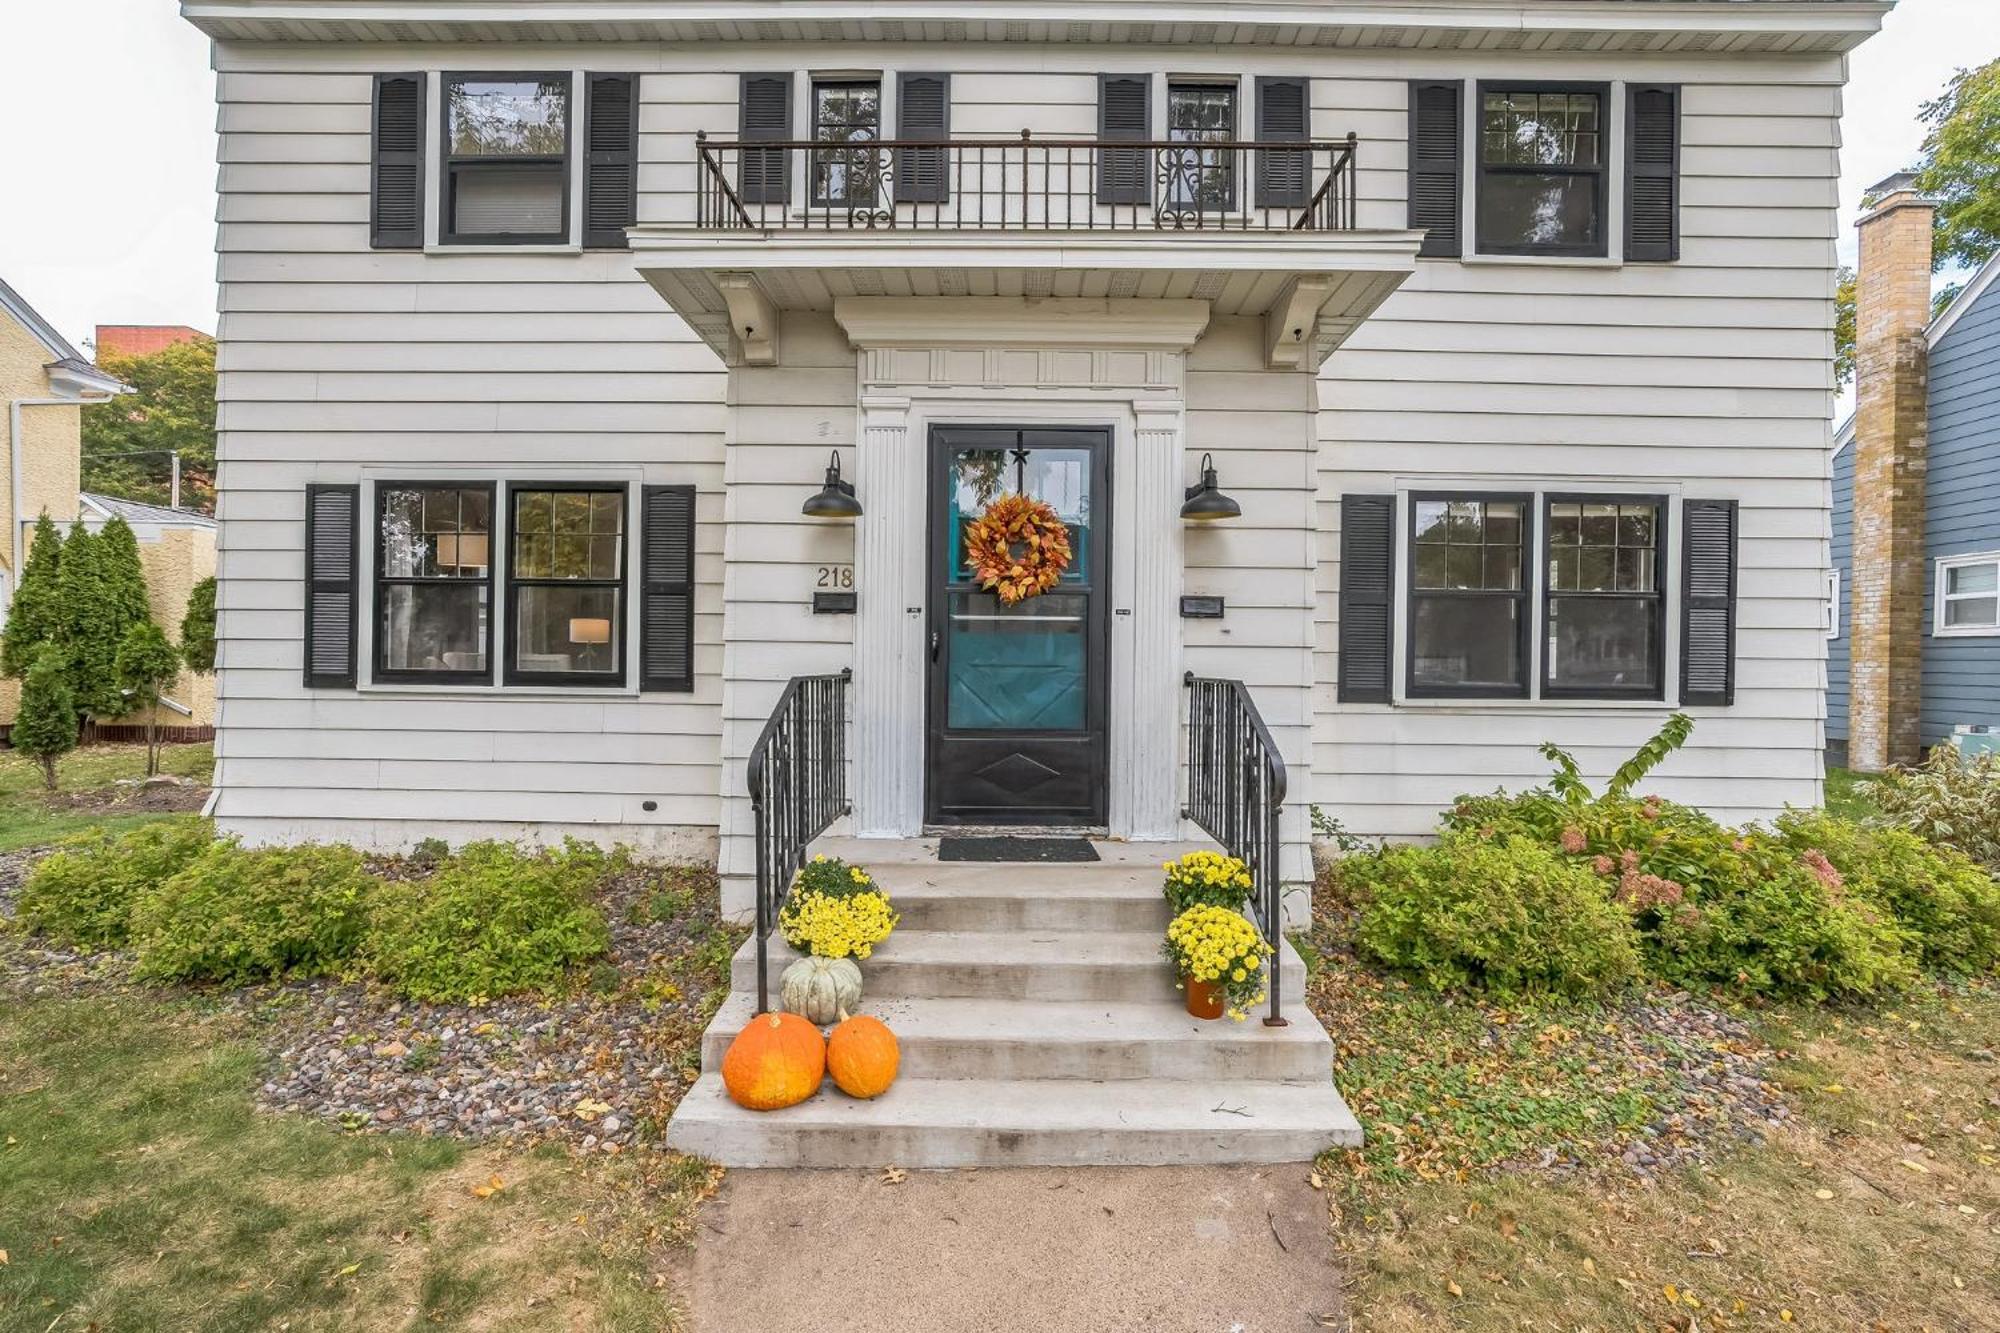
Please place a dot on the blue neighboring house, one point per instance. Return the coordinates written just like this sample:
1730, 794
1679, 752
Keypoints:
1961, 654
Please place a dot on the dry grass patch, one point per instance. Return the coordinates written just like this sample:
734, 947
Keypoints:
1878, 1209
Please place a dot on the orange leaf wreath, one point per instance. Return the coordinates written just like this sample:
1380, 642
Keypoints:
1018, 548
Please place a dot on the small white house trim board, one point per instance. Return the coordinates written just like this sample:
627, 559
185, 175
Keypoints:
1506, 327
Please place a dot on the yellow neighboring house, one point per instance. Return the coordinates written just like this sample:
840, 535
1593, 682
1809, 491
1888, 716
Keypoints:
45, 382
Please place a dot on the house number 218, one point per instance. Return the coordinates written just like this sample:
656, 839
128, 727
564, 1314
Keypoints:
835, 577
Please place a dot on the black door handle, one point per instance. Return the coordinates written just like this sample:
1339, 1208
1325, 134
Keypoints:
934, 645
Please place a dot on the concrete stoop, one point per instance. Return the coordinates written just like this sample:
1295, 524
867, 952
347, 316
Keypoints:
1039, 1026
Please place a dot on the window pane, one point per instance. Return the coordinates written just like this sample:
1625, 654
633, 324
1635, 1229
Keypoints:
1972, 578
1602, 642
1200, 178
1602, 547
511, 118
569, 534
1971, 612
1548, 209
435, 532
1468, 545
1542, 129
433, 627
1465, 642
507, 200
846, 113
571, 631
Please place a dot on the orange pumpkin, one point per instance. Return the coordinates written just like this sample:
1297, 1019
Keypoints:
862, 1056
777, 1060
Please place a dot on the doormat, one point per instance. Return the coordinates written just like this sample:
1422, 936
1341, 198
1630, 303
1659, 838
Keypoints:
952, 848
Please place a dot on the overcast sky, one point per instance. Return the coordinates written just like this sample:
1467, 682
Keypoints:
110, 220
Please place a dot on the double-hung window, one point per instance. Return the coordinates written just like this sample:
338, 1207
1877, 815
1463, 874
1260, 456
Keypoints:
1468, 596
1541, 169
506, 159
847, 112
1604, 621
1968, 594
566, 585
434, 583
1200, 178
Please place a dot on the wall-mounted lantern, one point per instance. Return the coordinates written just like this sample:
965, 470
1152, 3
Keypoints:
836, 498
1205, 501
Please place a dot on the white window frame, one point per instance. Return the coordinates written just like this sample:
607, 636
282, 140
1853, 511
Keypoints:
1940, 599
1833, 603
434, 95
1614, 176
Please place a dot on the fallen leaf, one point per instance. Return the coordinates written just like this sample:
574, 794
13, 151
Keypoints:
4, 1260
894, 1175
1316, 1181
492, 1187
1508, 1227
1784, 1316
349, 1271
1590, 1267
1822, 1194
1916, 1166
1453, 1287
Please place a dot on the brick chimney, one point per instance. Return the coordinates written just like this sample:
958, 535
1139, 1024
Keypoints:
1891, 446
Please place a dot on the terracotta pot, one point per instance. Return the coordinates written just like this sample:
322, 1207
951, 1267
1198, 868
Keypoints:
1204, 998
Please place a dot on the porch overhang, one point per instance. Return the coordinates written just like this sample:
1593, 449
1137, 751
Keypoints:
1312, 290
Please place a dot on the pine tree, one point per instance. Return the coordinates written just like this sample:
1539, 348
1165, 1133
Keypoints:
45, 724
102, 591
198, 627
146, 665
126, 598
33, 618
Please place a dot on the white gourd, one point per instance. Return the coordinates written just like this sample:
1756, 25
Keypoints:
820, 990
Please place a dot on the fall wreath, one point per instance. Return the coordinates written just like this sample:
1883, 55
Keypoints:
1018, 548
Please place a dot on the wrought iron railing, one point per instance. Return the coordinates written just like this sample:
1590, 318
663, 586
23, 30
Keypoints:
1025, 184
798, 787
1236, 788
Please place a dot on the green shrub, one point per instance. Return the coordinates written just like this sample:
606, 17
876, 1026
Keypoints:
1948, 904
494, 920
235, 914
1950, 802
81, 896
1506, 914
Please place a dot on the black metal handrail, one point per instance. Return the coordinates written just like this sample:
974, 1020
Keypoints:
1026, 184
798, 787
1236, 789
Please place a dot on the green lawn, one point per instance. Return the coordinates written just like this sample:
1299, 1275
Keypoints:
88, 796
1849, 794
139, 1189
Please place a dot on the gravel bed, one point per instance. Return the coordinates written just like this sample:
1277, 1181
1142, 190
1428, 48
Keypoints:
600, 1068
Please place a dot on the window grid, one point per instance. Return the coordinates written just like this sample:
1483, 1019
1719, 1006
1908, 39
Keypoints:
454, 533
1602, 552
1201, 113
846, 111
578, 527
1553, 132
1467, 553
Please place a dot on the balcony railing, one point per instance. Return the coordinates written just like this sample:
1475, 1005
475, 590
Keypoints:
1025, 184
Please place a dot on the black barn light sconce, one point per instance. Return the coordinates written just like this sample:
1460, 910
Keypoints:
1205, 501
836, 498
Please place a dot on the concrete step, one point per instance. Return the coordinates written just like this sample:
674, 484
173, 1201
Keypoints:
1112, 899
1036, 1039
1010, 965
878, 854
1034, 1122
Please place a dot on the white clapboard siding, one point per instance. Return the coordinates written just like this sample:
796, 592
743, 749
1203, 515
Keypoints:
1709, 376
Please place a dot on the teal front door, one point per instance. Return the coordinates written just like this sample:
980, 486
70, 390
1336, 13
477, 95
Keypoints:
1016, 699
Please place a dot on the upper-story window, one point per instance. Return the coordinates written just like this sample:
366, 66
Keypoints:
846, 111
1201, 113
506, 158
1541, 160
1541, 170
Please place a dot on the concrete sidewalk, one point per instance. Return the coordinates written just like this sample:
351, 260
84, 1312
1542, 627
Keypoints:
1050, 1249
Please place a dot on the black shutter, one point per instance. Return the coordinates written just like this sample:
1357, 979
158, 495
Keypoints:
1367, 588
1708, 602
1284, 114
764, 176
923, 111
396, 205
666, 615
1124, 115
1652, 173
611, 166
331, 573
1437, 166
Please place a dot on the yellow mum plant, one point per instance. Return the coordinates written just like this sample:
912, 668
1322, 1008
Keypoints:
1212, 878
835, 910
1209, 943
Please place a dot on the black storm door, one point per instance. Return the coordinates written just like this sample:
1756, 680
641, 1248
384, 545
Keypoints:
1016, 702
